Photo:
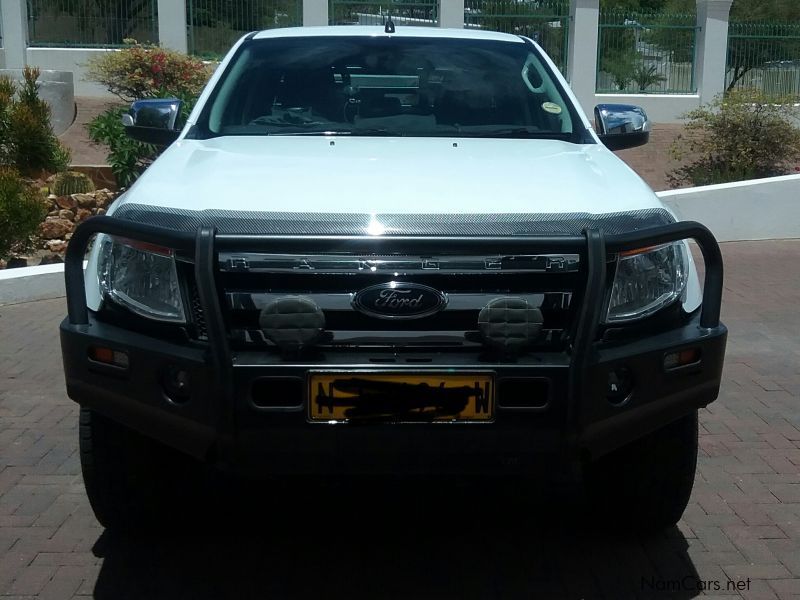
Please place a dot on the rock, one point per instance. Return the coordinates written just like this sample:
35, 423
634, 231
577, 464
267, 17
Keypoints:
101, 212
57, 246
51, 259
68, 236
83, 214
66, 214
16, 263
55, 227
84, 200
54, 213
2, 264
66, 202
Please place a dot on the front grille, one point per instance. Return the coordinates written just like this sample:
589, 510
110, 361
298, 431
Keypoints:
250, 282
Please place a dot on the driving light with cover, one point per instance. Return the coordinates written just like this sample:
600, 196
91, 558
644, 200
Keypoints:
647, 280
141, 277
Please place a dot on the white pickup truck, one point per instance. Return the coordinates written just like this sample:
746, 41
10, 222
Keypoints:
380, 250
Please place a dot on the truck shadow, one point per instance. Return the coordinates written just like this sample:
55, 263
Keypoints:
419, 540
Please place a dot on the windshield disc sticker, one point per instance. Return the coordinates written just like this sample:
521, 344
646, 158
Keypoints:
552, 108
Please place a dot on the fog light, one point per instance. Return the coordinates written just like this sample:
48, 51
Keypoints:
619, 387
674, 360
509, 324
176, 384
109, 356
292, 323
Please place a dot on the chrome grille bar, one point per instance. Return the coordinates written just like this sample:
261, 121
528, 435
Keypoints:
250, 262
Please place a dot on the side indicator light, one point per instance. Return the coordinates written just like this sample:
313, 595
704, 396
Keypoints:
108, 356
675, 360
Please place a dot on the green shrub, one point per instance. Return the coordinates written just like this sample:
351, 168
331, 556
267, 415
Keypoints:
128, 158
743, 135
27, 141
21, 211
134, 73
72, 182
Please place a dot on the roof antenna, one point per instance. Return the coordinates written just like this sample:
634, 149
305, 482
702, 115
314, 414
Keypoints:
389, 25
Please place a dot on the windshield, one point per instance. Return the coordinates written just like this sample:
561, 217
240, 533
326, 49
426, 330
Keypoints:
383, 85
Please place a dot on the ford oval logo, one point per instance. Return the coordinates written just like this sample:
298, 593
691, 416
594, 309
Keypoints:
397, 300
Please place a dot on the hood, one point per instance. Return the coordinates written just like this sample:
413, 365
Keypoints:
341, 178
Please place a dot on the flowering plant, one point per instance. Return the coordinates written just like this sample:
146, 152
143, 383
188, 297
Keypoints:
141, 71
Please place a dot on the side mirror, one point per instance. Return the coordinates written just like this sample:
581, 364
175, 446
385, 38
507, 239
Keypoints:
153, 121
621, 126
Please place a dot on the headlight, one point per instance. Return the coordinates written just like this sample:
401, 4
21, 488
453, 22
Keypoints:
647, 280
142, 278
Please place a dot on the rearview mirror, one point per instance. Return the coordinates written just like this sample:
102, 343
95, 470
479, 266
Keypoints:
153, 121
621, 126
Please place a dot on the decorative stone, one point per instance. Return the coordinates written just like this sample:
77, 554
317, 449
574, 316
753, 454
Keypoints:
66, 214
16, 263
66, 202
83, 214
57, 246
54, 228
84, 200
53, 213
51, 259
101, 212
68, 236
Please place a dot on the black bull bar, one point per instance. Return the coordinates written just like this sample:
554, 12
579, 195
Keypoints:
203, 246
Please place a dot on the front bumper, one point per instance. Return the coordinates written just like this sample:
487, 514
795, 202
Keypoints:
220, 423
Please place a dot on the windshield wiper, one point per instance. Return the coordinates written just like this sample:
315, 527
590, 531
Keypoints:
354, 132
517, 132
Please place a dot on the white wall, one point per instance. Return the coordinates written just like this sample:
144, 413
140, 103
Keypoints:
760, 209
70, 59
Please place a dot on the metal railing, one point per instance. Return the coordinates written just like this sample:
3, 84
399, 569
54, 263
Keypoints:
646, 53
764, 56
91, 23
410, 13
214, 25
547, 23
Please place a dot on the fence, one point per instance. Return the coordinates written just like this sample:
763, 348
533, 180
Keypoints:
545, 22
646, 53
91, 23
764, 56
214, 25
414, 13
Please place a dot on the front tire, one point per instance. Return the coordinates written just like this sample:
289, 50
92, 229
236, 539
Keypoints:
131, 480
647, 484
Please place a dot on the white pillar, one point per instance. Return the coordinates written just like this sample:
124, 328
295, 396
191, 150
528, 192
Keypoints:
451, 13
584, 23
15, 32
712, 47
315, 13
172, 25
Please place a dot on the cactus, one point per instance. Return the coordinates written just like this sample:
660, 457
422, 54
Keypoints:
72, 182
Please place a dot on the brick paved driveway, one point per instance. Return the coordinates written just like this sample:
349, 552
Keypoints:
743, 523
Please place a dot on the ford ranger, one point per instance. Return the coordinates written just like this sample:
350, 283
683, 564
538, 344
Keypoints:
378, 251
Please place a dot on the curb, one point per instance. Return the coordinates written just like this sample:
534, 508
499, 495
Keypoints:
28, 284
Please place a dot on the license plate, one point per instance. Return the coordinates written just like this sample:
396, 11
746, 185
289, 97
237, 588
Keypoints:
399, 397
